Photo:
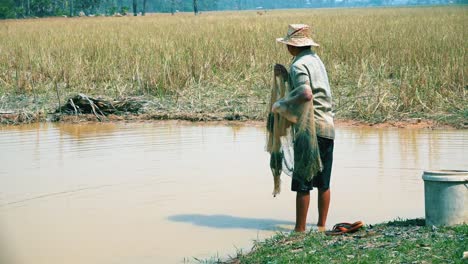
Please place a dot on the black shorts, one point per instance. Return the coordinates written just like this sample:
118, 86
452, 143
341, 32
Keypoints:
322, 180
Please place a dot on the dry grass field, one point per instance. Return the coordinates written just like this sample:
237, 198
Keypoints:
383, 63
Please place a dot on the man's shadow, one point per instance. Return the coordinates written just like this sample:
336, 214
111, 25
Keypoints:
228, 222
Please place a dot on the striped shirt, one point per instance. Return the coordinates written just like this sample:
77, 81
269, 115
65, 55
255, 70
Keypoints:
308, 70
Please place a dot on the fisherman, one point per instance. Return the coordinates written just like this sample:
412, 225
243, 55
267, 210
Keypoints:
309, 84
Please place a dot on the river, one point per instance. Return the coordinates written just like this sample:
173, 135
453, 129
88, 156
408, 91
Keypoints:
174, 192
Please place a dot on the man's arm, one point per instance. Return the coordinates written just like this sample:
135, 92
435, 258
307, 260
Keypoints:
301, 93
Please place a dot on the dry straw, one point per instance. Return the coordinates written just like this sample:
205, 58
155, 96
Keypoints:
382, 63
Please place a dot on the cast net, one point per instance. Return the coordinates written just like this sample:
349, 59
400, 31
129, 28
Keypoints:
291, 137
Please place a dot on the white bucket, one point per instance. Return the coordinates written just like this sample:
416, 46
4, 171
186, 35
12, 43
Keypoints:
446, 197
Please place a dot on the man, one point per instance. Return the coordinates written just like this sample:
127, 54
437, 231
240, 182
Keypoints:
309, 85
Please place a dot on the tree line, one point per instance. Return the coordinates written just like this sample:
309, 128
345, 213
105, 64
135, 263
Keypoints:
43, 8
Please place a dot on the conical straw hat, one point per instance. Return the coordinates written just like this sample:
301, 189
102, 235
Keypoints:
298, 36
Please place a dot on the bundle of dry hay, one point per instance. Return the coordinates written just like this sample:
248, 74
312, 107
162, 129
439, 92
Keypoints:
83, 104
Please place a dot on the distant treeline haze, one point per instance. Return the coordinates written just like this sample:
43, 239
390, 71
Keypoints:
41, 8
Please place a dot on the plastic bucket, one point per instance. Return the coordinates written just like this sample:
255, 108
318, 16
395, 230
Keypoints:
446, 197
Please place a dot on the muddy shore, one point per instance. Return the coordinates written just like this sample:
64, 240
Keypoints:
228, 119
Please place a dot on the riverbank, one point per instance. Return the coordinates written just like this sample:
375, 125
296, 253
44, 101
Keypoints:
23, 117
399, 241
21, 109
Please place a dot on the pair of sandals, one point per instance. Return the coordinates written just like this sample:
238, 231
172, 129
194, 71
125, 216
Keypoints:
344, 228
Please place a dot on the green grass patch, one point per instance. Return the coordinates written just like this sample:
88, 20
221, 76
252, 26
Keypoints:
400, 241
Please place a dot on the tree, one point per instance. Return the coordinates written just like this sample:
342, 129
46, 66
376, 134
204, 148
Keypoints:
70, 3
7, 8
25, 8
42, 8
195, 7
144, 8
135, 7
88, 6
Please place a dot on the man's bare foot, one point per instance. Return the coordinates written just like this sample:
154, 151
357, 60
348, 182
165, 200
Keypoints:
299, 230
321, 229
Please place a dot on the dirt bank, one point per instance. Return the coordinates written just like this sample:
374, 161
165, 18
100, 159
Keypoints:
231, 119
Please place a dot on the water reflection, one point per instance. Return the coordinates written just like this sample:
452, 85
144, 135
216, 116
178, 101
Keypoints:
79, 131
23, 128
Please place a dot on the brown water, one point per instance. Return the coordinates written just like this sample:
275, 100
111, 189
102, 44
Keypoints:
168, 192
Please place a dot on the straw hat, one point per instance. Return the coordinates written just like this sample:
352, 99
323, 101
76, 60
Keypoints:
299, 36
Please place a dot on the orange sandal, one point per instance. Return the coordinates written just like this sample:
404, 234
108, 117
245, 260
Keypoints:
342, 228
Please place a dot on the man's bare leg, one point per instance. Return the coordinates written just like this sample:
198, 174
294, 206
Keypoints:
323, 204
302, 206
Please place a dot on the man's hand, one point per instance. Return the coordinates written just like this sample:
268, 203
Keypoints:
280, 70
277, 108
280, 107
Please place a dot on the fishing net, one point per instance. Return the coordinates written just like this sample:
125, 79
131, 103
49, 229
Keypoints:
291, 137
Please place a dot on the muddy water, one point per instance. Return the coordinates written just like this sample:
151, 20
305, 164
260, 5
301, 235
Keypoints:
170, 192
